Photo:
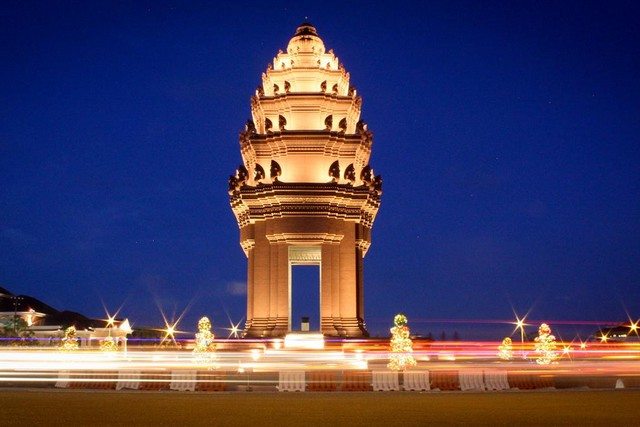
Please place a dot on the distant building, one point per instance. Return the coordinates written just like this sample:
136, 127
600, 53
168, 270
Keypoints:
617, 334
48, 324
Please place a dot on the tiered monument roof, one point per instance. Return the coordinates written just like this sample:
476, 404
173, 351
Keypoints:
305, 117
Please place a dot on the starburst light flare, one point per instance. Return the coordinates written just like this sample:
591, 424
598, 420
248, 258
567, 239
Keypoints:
604, 337
234, 330
170, 332
111, 320
520, 325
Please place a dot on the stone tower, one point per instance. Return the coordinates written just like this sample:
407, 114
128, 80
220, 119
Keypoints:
305, 193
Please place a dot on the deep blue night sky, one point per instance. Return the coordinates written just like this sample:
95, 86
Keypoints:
508, 135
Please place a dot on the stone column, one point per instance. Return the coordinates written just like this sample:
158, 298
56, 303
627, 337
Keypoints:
281, 282
335, 289
250, 287
327, 289
348, 280
351, 298
273, 285
261, 295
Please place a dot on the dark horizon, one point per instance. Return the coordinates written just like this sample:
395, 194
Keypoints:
507, 136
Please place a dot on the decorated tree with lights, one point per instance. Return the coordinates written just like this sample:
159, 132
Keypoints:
108, 345
505, 350
401, 345
545, 345
70, 340
205, 347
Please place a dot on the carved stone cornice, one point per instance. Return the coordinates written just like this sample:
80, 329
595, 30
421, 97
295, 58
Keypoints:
306, 111
247, 245
301, 238
363, 245
330, 144
329, 200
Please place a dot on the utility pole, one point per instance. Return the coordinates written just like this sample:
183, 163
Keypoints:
15, 313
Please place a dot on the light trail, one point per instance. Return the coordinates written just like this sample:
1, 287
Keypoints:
28, 365
511, 322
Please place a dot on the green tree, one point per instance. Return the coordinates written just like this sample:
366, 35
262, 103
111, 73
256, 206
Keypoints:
15, 331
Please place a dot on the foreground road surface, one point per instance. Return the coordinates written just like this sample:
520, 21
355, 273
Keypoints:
64, 407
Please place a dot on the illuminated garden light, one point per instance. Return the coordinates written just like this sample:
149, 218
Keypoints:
111, 321
520, 325
108, 345
234, 330
29, 317
505, 350
125, 326
170, 333
545, 345
70, 340
204, 349
401, 345
170, 328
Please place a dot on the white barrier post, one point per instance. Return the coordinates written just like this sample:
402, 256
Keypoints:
183, 380
128, 380
291, 381
416, 381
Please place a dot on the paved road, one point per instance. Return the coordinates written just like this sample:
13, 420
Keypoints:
68, 407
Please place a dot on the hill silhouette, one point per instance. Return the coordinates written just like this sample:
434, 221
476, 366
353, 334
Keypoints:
63, 318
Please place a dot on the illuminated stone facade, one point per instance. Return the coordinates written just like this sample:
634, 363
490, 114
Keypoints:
305, 193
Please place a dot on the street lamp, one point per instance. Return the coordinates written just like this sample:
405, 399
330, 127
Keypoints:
520, 325
16, 299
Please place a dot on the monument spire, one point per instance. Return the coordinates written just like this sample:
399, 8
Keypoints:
305, 193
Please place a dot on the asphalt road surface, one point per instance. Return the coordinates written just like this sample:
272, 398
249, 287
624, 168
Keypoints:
66, 407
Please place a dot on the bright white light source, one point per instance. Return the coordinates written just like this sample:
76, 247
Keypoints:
126, 326
304, 341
